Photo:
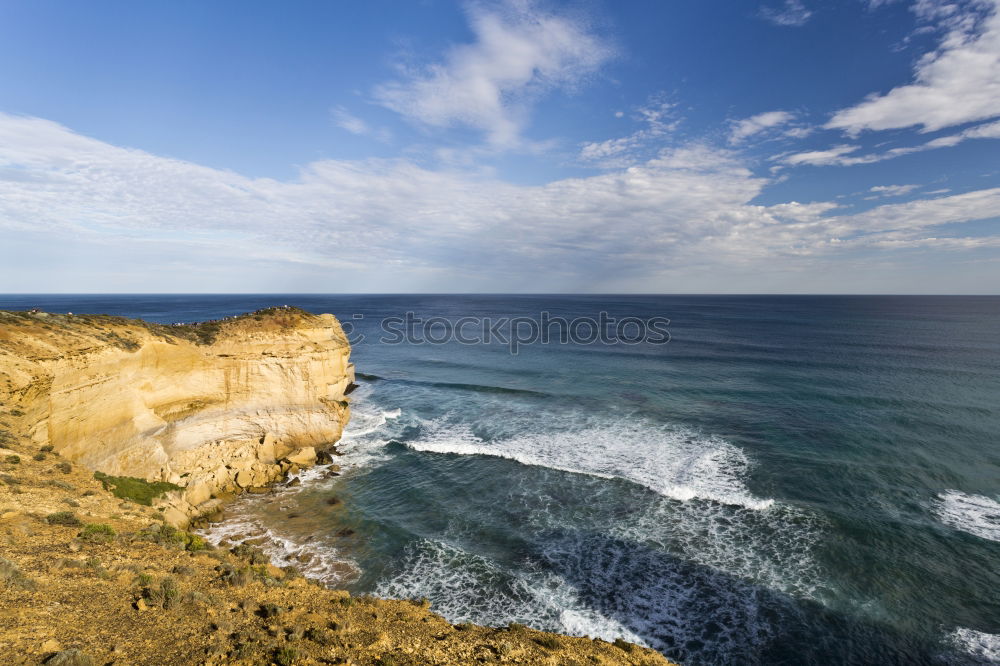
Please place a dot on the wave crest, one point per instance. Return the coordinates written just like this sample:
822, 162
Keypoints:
675, 462
975, 514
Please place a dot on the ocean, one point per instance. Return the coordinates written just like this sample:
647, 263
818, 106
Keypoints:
787, 480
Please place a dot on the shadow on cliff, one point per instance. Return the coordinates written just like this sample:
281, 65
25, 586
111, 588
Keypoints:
696, 614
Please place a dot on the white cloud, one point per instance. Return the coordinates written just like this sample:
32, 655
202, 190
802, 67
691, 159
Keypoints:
792, 13
840, 155
686, 207
984, 131
519, 53
834, 155
343, 118
346, 120
743, 129
659, 119
958, 83
892, 190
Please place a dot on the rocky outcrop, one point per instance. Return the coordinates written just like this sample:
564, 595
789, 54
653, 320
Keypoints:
215, 408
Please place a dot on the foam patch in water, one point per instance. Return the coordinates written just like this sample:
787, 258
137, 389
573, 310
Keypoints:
983, 648
602, 588
454, 581
316, 556
366, 433
975, 514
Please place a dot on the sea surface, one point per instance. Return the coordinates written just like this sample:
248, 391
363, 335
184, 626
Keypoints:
788, 480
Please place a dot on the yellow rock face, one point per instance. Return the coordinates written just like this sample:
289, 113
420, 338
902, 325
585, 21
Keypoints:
213, 407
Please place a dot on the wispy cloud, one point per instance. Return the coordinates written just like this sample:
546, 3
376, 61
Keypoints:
842, 155
834, 155
686, 206
880, 191
344, 119
658, 117
747, 127
519, 53
955, 84
792, 13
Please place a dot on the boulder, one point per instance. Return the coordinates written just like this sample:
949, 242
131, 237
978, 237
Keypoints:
244, 479
266, 452
70, 658
303, 457
197, 493
175, 517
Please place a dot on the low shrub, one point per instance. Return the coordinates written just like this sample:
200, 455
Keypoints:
284, 656
548, 642
98, 533
170, 592
230, 575
196, 543
65, 518
270, 610
168, 535
143, 580
167, 594
12, 459
94, 564
64, 467
623, 644
252, 554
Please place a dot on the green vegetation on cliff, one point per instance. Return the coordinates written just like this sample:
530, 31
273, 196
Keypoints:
139, 491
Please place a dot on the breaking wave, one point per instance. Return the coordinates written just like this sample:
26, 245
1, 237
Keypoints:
975, 514
673, 461
981, 648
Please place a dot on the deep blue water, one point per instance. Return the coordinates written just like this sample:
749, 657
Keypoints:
791, 479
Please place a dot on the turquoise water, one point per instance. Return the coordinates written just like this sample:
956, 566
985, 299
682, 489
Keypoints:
789, 480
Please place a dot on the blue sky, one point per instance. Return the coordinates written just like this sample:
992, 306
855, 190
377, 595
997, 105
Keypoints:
674, 146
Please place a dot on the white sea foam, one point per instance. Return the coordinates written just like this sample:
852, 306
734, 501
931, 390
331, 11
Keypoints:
688, 577
316, 557
983, 648
774, 549
975, 514
454, 581
597, 588
672, 461
365, 435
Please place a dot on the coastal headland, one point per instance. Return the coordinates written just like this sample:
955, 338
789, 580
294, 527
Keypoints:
116, 435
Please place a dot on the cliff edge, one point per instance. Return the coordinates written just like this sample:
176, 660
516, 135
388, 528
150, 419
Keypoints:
214, 408
93, 569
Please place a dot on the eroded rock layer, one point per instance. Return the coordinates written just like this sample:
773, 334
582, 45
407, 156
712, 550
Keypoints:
214, 407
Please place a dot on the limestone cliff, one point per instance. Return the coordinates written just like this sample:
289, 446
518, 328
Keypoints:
213, 407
